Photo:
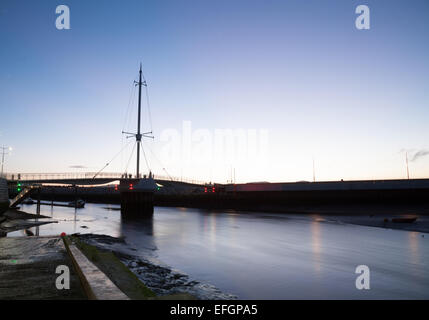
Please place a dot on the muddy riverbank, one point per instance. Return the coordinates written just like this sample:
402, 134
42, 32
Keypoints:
160, 278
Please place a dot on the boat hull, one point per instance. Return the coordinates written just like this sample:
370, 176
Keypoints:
404, 220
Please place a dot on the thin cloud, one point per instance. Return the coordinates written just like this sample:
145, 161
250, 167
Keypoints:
420, 154
78, 167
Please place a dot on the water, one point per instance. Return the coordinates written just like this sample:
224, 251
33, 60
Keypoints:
263, 255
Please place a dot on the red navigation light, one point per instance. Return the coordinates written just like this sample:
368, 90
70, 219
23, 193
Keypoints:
205, 189
213, 190
116, 187
131, 186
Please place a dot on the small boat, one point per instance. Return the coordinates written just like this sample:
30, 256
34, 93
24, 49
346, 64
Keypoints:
28, 201
78, 204
28, 233
404, 220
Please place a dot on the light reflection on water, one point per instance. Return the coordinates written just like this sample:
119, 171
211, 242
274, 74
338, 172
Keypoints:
414, 247
263, 255
316, 245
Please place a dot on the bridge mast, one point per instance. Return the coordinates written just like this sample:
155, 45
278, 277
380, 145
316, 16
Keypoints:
138, 135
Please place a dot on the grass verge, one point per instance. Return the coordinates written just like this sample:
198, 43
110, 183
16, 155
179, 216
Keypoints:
114, 269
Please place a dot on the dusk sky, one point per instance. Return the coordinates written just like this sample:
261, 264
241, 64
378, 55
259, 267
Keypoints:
297, 77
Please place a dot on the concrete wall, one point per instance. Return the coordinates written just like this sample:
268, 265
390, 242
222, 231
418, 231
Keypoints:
332, 186
4, 198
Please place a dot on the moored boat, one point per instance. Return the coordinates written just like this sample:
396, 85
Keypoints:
78, 204
28, 201
404, 220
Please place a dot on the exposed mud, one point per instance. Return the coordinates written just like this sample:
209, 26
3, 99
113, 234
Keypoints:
159, 277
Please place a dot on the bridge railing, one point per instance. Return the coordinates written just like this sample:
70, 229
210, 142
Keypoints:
89, 175
181, 179
61, 176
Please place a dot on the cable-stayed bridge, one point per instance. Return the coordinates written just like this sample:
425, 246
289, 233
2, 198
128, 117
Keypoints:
88, 178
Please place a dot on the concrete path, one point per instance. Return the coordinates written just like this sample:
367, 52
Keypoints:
27, 269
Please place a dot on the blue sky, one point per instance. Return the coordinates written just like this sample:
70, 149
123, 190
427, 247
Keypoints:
351, 99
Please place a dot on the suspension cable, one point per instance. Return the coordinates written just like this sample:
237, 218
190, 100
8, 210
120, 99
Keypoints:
130, 101
132, 152
145, 158
159, 161
111, 160
148, 107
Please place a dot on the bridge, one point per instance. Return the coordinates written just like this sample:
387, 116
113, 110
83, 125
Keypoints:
89, 178
90, 186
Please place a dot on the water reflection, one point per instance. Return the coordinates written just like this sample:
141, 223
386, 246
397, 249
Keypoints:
138, 232
232, 229
413, 240
264, 256
316, 244
74, 220
212, 232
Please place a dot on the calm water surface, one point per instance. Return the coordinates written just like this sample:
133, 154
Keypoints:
264, 255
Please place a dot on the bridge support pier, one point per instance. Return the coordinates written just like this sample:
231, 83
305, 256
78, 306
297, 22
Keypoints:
38, 201
137, 204
136, 198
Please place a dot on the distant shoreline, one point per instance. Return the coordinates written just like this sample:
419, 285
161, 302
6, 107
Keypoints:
420, 225
365, 215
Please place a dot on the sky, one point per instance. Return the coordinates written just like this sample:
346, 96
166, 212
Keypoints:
244, 90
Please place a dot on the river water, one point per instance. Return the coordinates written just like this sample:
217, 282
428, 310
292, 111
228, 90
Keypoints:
262, 255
